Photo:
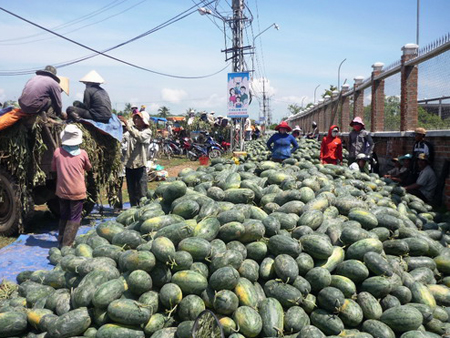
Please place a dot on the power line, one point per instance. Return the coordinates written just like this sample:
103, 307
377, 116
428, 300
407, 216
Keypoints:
171, 21
68, 24
79, 28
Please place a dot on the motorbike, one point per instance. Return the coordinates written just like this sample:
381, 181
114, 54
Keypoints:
187, 146
214, 149
175, 147
196, 151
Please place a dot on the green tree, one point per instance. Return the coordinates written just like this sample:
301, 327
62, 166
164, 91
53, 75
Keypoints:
431, 121
272, 126
392, 113
329, 92
294, 108
127, 109
163, 112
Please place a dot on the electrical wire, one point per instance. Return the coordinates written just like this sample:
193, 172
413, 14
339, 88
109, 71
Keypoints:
79, 28
175, 19
70, 23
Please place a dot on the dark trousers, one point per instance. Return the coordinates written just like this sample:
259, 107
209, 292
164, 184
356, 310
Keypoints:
137, 181
119, 203
81, 110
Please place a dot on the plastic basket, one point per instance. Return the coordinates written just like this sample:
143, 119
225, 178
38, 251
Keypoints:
204, 160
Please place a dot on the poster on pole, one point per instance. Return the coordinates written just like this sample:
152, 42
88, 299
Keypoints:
238, 94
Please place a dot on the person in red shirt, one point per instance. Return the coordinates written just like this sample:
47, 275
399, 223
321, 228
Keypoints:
70, 164
331, 148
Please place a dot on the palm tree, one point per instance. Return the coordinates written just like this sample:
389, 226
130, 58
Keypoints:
163, 111
189, 110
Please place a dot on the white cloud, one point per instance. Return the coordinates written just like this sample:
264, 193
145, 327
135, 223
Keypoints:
259, 85
213, 101
153, 108
173, 95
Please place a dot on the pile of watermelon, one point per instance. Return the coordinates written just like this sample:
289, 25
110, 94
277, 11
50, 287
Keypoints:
293, 249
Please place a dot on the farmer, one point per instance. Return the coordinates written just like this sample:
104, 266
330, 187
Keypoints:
96, 104
331, 147
315, 132
394, 172
139, 136
248, 129
42, 93
297, 132
282, 142
426, 183
70, 164
360, 140
361, 163
421, 147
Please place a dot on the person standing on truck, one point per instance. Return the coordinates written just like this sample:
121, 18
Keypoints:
96, 103
70, 163
139, 136
42, 93
360, 140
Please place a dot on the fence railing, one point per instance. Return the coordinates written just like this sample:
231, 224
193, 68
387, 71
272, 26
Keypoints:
401, 108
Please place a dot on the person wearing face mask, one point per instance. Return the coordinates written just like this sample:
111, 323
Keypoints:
331, 147
360, 140
280, 144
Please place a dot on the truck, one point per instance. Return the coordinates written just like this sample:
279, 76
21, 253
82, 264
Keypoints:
26, 179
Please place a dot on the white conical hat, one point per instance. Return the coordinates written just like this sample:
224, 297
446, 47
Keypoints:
92, 77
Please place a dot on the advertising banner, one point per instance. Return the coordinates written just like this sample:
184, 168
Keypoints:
238, 94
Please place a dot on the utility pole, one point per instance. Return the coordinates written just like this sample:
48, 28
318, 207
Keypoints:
237, 27
269, 112
238, 51
264, 104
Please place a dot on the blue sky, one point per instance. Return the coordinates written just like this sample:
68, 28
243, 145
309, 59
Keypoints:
314, 37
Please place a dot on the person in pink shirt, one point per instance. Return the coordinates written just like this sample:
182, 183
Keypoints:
70, 163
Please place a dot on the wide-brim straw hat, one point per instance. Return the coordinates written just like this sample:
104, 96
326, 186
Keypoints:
71, 136
64, 84
144, 116
283, 125
420, 131
92, 77
49, 71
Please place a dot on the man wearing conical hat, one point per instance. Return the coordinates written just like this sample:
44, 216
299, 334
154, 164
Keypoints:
42, 93
96, 104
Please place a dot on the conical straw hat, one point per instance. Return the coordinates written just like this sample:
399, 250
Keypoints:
92, 77
64, 84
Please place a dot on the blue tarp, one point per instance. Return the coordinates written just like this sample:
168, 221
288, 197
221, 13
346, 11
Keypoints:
6, 110
113, 127
156, 119
30, 251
